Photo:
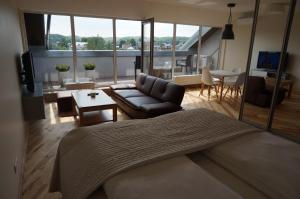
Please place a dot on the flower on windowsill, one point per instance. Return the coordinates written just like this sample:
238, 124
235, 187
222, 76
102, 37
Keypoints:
62, 67
89, 66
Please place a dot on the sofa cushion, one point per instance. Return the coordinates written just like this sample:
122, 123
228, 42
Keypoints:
160, 108
137, 102
144, 83
167, 92
129, 93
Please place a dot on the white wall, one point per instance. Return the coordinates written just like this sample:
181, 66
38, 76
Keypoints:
11, 121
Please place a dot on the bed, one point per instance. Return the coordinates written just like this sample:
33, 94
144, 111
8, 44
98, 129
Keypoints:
188, 154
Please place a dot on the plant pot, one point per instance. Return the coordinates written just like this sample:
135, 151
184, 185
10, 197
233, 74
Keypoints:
62, 76
90, 74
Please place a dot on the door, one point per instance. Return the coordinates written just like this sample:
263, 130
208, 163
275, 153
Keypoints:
147, 43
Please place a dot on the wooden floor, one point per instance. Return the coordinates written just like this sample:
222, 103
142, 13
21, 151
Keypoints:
44, 137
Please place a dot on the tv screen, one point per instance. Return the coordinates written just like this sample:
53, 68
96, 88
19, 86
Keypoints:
268, 60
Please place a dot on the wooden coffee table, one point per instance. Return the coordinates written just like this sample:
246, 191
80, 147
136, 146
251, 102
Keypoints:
94, 110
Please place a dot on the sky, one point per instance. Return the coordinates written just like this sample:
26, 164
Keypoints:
87, 27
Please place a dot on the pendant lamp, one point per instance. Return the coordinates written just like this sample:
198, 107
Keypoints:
228, 33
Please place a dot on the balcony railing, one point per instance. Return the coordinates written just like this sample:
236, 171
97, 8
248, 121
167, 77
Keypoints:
45, 62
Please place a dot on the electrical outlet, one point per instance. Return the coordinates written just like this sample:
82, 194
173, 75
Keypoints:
16, 165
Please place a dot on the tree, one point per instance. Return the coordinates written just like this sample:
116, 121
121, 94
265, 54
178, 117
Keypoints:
84, 39
63, 44
121, 43
108, 45
132, 42
95, 43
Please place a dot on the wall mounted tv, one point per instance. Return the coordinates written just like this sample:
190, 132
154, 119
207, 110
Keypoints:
269, 61
28, 71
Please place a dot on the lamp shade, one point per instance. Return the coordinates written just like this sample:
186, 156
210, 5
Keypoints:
228, 32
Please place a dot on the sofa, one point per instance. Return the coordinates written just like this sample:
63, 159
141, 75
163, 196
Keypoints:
258, 94
150, 97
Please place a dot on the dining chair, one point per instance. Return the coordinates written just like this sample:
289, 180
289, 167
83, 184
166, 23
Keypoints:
208, 80
235, 85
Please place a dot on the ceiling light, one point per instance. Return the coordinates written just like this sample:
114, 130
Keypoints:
228, 31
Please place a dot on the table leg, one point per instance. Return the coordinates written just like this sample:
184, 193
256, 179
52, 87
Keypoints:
222, 87
81, 118
115, 113
202, 88
74, 108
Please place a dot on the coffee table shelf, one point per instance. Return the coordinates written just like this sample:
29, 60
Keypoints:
101, 108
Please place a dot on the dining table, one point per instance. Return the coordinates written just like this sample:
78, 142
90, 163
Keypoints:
221, 75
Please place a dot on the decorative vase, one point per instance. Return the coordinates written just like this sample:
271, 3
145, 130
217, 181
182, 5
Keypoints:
90, 74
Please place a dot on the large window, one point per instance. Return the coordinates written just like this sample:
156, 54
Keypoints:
178, 51
163, 44
128, 45
94, 44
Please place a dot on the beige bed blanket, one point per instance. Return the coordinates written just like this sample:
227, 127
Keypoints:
88, 156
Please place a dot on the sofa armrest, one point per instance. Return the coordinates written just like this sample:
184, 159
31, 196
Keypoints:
160, 108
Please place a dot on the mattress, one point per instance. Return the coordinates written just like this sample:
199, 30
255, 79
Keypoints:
267, 162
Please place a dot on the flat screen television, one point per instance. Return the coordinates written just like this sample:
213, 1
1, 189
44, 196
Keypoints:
269, 60
28, 71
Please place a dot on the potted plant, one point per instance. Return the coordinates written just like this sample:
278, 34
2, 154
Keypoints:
90, 70
63, 71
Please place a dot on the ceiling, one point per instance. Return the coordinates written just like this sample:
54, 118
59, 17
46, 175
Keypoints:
221, 5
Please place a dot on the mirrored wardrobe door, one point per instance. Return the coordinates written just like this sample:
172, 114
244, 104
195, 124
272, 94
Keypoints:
286, 119
265, 59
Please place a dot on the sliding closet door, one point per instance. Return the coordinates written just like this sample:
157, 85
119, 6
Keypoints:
287, 111
263, 64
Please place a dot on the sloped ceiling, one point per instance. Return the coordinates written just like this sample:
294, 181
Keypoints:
221, 5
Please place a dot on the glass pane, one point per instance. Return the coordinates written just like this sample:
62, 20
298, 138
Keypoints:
287, 112
163, 42
128, 45
59, 53
147, 47
187, 39
60, 33
210, 47
264, 64
94, 40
